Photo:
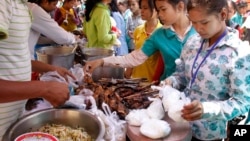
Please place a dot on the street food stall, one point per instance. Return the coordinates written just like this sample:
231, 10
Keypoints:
121, 96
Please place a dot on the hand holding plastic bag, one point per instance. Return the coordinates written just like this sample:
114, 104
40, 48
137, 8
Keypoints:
173, 102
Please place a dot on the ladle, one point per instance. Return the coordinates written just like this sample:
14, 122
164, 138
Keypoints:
74, 49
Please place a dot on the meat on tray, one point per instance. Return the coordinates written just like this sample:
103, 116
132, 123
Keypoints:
121, 94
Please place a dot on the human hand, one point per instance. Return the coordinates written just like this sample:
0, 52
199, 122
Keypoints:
56, 93
64, 72
128, 73
118, 34
90, 66
192, 111
130, 34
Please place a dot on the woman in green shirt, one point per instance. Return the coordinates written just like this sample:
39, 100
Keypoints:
97, 24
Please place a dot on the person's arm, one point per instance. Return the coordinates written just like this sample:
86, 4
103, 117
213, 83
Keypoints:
56, 93
47, 26
41, 67
132, 59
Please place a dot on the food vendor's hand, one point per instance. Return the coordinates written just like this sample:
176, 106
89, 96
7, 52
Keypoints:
56, 93
192, 111
64, 72
90, 66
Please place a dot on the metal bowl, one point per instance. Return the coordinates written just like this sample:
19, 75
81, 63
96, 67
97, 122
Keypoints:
69, 117
94, 53
57, 55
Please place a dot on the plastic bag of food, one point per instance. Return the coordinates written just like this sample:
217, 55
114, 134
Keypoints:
89, 100
155, 109
155, 128
173, 101
78, 72
174, 111
54, 76
169, 95
115, 128
137, 116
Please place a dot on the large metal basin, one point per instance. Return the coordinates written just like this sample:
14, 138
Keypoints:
57, 55
106, 71
69, 117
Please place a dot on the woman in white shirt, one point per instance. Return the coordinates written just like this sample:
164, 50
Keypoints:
42, 23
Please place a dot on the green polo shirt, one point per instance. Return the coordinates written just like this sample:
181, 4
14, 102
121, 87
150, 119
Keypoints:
98, 28
170, 46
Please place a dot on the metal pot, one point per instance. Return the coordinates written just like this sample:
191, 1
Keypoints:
106, 71
69, 117
57, 55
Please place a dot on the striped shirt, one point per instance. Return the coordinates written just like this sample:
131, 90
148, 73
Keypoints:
15, 62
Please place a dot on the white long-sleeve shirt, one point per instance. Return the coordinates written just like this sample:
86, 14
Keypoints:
130, 60
43, 24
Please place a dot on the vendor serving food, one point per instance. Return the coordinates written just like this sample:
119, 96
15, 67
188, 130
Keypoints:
43, 24
16, 66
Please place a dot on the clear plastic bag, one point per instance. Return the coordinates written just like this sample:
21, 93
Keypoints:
115, 128
173, 101
89, 100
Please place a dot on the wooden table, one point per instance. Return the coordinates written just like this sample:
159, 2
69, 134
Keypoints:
179, 132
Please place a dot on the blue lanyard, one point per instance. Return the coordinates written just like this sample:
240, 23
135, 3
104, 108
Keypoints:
194, 74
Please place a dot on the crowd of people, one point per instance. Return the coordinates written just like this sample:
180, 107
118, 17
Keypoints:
208, 37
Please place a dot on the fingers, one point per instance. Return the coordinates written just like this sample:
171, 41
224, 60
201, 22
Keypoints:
70, 74
90, 66
193, 116
192, 111
58, 101
87, 68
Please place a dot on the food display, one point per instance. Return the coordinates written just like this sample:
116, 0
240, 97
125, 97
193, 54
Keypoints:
66, 133
120, 94
136, 102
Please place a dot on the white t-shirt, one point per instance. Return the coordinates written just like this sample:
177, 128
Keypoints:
15, 61
42, 23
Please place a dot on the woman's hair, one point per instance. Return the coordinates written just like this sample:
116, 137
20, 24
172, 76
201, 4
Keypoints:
174, 2
150, 4
233, 4
123, 2
241, 3
113, 6
90, 5
38, 2
211, 6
